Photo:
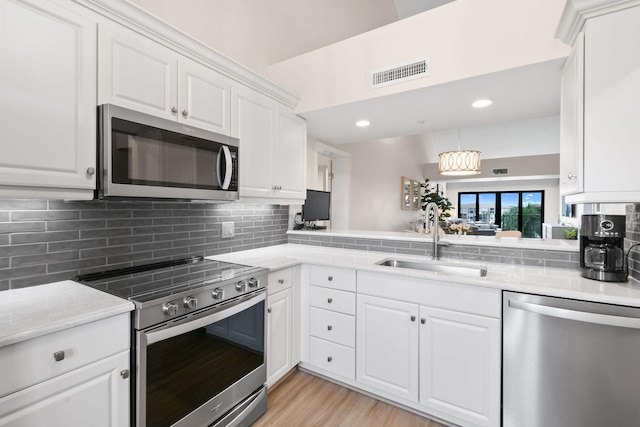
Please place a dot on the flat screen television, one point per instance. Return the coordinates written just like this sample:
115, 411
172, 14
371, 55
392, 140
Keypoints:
317, 207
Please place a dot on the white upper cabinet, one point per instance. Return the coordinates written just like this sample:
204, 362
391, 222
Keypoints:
47, 108
599, 111
138, 73
273, 143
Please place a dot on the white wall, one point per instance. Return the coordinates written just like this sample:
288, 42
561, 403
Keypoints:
377, 168
464, 39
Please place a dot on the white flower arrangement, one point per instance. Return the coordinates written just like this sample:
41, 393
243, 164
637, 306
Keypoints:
459, 228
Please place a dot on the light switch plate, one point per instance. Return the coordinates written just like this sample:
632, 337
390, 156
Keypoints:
227, 229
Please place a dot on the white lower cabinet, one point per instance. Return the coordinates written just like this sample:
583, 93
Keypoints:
283, 331
279, 322
434, 346
77, 377
387, 348
95, 395
460, 365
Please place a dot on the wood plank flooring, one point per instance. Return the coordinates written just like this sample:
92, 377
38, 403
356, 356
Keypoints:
304, 400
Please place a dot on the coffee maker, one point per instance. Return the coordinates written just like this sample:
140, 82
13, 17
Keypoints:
602, 247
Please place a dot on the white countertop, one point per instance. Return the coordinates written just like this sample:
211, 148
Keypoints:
31, 312
558, 282
452, 239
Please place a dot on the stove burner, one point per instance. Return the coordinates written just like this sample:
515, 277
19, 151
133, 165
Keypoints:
168, 289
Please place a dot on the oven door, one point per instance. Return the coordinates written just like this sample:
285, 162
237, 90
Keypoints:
193, 370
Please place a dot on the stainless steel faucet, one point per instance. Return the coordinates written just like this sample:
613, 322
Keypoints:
436, 215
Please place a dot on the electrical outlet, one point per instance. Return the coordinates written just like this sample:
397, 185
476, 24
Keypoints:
227, 230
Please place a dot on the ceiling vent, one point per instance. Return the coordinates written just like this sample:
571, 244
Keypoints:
401, 73
503, 171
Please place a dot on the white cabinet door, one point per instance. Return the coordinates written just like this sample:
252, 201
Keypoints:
290, 151
136, 72
256, 130
47, 112
460, 365
95, 395
571, 121
611, 93
387, 346
204, 97
279, 335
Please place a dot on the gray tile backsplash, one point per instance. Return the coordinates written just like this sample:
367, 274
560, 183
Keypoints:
45, 241
633, 237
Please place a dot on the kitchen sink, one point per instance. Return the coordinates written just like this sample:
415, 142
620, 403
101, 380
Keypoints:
437, 267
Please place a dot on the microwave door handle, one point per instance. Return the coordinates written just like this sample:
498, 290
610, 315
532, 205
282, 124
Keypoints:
228, 167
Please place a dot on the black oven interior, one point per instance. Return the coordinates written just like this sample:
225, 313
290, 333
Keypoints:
184, 372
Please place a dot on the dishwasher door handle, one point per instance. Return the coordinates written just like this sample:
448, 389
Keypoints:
580, 316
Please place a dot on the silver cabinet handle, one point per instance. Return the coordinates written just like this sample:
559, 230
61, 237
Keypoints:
124, 374
330, 278
329, 328
580, 316
174, 110
329, 359
58, 355
329, 300
269, 310
413, 318
423, 320
281, 281
185, 113
91, 171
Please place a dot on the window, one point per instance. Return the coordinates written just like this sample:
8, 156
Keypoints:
509, 210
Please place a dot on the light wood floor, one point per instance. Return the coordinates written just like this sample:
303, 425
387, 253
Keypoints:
303, 400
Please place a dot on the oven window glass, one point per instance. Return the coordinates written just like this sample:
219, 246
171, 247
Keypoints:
145, 155
185, 371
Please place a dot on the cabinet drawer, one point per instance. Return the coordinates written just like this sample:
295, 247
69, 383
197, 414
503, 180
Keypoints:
33, 361
333, 299
331, 277
333, 357
279, 280
331, 326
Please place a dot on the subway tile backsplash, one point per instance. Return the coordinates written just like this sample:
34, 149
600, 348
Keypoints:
44, 241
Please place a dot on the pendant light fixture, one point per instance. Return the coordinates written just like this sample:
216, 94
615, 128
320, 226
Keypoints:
459, 162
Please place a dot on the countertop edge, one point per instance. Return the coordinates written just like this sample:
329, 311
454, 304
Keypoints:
27, 319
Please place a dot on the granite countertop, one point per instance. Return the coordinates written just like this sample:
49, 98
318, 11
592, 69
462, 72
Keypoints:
558, 282
39, 310
451, 239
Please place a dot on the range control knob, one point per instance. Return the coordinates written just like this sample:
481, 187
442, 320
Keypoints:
253, 282
241, 286
218, 293
190, 302
170, 309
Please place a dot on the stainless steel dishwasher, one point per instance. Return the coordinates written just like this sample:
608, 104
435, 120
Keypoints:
569, 363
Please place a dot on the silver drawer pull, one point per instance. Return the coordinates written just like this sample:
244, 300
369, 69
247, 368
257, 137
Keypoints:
423, 321
281, 281
329, 328
329, 359
124, 374
329, 300
58, 356
413, 318
330, 278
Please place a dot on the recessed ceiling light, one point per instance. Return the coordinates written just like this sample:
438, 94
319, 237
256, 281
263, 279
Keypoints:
362, 123
481, 103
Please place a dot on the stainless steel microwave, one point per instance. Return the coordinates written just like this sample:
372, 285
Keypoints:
142, 156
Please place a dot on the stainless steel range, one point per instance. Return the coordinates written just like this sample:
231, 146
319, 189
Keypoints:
199, 341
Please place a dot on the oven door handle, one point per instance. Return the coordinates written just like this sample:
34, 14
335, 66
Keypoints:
183, 328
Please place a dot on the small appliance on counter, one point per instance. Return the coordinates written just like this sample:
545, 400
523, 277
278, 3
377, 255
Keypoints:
602, 247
